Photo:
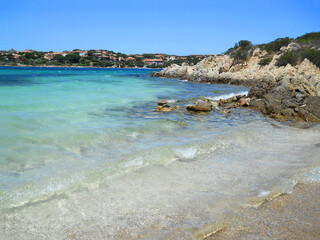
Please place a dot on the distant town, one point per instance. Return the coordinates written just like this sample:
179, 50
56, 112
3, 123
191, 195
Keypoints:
93, 58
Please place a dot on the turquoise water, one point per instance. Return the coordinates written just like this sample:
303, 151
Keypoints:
82, 151
56, 124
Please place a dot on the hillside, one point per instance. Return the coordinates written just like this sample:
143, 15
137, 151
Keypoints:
92, 58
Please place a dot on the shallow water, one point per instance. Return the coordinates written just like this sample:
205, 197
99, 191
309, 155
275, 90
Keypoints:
83, 155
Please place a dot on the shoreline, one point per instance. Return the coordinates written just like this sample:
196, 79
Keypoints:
285, 216
51, 66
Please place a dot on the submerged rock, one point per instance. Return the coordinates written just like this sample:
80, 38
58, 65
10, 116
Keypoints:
163, 106
166, 109
215, 104
201, 106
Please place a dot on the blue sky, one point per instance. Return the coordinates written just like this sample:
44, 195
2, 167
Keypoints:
145, 26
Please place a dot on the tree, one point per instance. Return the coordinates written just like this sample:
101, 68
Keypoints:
73, 58
39, 54
244, 44
29, 55
60, 58
148, 55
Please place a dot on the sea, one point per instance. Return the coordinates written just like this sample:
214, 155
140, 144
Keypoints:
84, 155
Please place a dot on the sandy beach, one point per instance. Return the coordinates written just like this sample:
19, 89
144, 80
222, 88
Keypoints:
288, 216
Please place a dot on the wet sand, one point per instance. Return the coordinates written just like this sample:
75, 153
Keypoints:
288, 216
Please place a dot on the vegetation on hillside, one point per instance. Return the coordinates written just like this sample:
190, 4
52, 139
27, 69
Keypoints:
240, 50
92, 58
309, 48
297, 56
313, 55
265, 61
288, 58
275, 45
313, 36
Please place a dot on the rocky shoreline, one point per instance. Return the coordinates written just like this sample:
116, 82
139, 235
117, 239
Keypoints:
282, 92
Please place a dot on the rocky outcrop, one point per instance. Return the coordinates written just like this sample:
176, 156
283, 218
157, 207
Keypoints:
291, 47
294, 93
285, 92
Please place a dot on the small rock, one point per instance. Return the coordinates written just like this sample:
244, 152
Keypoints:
264, 54
167, 109
256, 52
220, 102
283, 48
275, 125
215, 104
165, 105
162, 102
229, 100
240, 96
243, 102
233, 105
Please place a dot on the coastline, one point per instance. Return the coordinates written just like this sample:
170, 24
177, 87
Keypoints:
286, 216
52, 66
279, 91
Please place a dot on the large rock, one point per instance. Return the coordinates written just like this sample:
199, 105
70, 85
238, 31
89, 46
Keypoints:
293, 47
201, 106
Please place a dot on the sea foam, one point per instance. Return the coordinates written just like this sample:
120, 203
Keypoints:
226, 96
186, 153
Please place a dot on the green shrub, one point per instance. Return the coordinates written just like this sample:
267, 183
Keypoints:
275, 45
288, 57
265, 61
309, 37
244, 44
30, 55
73, 58
313, 55
60, 58
240, 55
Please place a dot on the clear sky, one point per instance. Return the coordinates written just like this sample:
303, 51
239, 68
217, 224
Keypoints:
145, 26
